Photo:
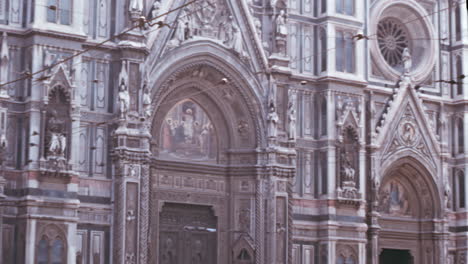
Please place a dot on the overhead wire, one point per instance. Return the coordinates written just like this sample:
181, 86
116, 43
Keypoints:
173, 22
99, 44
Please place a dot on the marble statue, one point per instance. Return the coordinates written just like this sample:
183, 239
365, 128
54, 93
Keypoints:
136, 6
347, 168
56, 133
272, 120
292, 118
156, 7
447, 194
281, 27
124, 100
236, 44
147, 103
4, 61
407, 61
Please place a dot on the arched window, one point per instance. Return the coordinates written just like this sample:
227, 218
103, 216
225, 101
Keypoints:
340, 260
460, 136
459, 72
43, 251
344, 52
457, 22
461, 190
57, 256
349, 51
323, 50
323, 117
51, 249
345, 7
339, 45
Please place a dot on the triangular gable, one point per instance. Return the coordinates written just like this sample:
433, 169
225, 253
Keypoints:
59, 74
410, 128
208, 20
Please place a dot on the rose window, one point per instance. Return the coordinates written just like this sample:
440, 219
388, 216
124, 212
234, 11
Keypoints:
392, 38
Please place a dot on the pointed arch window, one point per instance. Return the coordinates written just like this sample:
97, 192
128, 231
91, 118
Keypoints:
461, 188
460, 136
59, 11
345, 7
43, 251
459, 72
457, 22
323, 50
344, 52
51, 249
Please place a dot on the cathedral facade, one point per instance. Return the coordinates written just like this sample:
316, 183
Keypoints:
233, 131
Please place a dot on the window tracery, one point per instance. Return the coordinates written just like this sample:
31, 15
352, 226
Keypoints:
392, 38
51, 248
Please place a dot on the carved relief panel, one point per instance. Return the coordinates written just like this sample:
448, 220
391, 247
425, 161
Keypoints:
131, 224
281, 230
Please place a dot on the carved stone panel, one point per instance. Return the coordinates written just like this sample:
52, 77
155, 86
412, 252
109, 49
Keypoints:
131, 224
281, 228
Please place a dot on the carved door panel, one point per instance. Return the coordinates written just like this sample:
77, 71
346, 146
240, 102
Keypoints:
187, 234
201, 248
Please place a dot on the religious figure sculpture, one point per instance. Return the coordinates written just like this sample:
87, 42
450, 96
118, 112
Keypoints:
347, 169
447, 194
281, 27
272, 121
156, 7
57, 137
147, 103
135, 6
4, 61
124, 99
183, 29
236, 39
292, 118
407, 61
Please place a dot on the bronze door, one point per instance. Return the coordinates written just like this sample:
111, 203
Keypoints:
187, 235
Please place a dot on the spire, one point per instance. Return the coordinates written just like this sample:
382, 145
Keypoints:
4, 59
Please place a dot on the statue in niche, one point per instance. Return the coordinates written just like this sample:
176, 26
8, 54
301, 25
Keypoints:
136, 6
187, 133
347, 170
4, 62
447, 194
281, 27
258, 28
292, 117
147, 103
407, 61
57, 135
272, 121
156, 8
124, 99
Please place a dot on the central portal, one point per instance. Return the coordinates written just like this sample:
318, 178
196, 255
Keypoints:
187, 234
392, 256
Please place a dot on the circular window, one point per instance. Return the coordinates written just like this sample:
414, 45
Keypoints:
393, 39
401, 24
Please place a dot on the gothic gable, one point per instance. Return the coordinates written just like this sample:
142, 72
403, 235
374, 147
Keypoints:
229, 24
410, 129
